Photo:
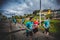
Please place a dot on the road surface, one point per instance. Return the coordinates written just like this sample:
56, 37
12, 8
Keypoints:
10, 31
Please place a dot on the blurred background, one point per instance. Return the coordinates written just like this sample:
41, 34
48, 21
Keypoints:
23, 9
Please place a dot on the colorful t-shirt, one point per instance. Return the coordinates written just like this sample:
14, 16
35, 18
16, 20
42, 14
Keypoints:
29, 25
47, 23
36, 22
14, 20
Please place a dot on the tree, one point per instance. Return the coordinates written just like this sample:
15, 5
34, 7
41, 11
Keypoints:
36, 11
49, 16
20, 16
17, 17
0, 13
2, 17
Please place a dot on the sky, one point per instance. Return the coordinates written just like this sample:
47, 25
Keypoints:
21, 7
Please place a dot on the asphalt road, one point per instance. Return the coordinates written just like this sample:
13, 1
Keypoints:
9, 31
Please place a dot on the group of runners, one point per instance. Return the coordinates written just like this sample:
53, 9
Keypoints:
32, 26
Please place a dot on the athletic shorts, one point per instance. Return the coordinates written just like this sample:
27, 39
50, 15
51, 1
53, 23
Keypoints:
35, 26
35, 30
47, 30
30, 33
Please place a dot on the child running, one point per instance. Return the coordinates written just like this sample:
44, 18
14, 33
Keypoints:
14, 20
29, 25
35, 27
46, 26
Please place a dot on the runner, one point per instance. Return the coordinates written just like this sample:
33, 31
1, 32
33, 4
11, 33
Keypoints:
35, 27
29, 25
23, 20
14, 20
46, 26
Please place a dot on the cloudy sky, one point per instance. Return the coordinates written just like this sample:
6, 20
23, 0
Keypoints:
20, 7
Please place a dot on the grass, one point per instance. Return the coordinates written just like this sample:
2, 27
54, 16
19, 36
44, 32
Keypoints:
54, 21
54, 26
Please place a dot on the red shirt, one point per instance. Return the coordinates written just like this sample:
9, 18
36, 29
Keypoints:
36, 22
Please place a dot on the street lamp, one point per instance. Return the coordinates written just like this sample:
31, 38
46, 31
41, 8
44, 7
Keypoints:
40, 13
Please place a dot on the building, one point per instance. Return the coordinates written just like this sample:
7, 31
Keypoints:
53, 13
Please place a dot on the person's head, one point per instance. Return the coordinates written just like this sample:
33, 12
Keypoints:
27, 18
46, 17
31, 18
37, 19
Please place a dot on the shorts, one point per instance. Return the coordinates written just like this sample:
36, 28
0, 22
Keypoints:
30, 33
35, 30
35, 26
47, 30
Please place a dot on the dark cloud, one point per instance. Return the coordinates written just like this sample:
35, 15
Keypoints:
2, 2
58, 2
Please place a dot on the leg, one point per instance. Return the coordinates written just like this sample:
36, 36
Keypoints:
31, 34
47, 31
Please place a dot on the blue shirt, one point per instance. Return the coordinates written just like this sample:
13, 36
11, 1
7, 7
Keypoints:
29, 25
23, 20
47, 23
14, 20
